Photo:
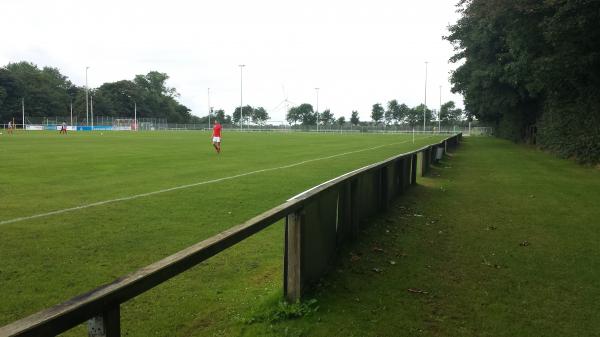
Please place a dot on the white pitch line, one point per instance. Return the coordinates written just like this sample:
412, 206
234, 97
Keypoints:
100, 203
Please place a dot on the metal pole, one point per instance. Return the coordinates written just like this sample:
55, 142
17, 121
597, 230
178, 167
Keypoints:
241, 96
23, 111
92, 110
440, 112
425, 108
86, 96
317, 89
209, 108
135, 115
71, 112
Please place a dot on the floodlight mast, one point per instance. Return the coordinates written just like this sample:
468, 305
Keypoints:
86, 96
135, 115
425, 108
317, 90
241, 96
92, 111
440, 112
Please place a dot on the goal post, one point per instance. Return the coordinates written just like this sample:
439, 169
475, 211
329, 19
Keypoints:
124, 124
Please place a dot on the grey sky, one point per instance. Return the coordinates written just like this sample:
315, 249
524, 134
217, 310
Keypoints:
357, 52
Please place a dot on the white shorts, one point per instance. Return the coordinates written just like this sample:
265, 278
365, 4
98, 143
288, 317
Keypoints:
216, 139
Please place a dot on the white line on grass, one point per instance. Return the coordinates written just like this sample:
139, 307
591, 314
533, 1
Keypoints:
100, 203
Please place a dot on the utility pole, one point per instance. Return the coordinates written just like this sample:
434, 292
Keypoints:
135, 115
92, 111
425, 108
241, 96
440, 112
317, 90
86, 96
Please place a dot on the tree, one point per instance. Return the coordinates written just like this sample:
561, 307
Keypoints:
377, 113
415, 116
303, 113
48, 93
450, 114
247, 112
219, 115
259, 116
354, 119
401, 114
44, 91
341, 121
326, 117
392, 112
117, 98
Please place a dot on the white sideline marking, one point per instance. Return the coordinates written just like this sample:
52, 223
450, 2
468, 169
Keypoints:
136, 196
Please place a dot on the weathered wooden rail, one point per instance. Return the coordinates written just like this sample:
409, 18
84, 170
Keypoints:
318, 221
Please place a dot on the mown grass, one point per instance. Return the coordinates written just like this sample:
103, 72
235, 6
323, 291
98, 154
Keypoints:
500, 240
47, 260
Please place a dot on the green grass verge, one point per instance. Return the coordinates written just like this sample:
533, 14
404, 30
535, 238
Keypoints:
500, 240
47, 260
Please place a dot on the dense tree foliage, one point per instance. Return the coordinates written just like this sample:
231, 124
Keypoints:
326, 117
220, 116
45, 91
302, 114
48, 93
258, 116
450, 114
354, 119
377, 113
532, 68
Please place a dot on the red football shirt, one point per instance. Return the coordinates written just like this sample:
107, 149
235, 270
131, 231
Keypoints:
217, 130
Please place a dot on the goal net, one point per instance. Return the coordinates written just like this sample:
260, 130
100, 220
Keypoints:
123, 124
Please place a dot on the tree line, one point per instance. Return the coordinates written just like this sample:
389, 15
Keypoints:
532, 68
393, 114
48, 93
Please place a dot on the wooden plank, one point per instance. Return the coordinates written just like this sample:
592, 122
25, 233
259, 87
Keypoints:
77, 310
293, 281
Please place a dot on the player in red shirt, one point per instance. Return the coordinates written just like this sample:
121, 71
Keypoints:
216, 137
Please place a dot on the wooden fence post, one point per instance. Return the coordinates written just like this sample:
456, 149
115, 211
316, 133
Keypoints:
424, 161
293, 280
413, 171
399, 176
354, 211
384, 191
345, 212
108, 324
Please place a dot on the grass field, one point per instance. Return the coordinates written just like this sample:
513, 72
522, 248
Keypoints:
48, 259
501, 240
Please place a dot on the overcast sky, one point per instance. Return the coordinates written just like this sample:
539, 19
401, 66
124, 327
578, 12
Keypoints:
357, 52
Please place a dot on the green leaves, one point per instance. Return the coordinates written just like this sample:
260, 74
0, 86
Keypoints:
532, 65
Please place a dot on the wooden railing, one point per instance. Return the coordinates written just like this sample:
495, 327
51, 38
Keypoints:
318, 221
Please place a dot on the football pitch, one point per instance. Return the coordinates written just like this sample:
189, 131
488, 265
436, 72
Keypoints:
80, 210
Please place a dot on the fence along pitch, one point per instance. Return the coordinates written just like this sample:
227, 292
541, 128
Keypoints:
103, 302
